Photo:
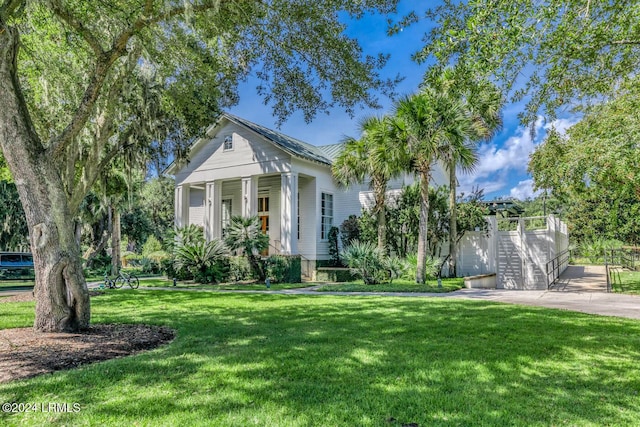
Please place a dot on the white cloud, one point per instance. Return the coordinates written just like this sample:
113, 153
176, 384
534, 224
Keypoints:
561, 125
524, 190
497, 162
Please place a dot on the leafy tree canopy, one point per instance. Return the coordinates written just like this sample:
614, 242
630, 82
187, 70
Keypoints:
593, 169
100, 77
568, 51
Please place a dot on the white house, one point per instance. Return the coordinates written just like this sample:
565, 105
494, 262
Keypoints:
242, 168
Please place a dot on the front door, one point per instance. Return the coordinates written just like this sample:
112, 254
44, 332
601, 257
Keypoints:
263, 214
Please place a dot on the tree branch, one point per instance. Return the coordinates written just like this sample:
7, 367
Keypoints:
77, 25
104, 62
621, 42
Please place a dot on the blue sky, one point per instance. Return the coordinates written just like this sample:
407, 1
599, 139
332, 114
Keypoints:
502, 170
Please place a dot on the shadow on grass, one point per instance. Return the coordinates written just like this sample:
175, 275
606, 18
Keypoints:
279, 359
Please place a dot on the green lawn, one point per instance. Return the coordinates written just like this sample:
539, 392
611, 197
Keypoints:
627, 282
399, 285
4, 285
282, 360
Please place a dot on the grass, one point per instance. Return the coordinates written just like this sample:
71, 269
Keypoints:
6, 285
398, 285
281, 360
627, 282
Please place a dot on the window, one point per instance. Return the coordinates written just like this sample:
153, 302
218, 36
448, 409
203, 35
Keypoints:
326, 212
228, 143
263, 205
226, 214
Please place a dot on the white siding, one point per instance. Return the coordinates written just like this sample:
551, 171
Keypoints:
196, 206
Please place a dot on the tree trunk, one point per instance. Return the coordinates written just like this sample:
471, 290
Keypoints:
62, 297
381, 214
115, 242
424, 222
453, 218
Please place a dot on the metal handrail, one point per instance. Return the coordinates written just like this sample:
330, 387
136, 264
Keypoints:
553, 273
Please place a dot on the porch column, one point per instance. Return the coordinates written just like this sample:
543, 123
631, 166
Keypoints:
181, 206
289, 213
249, 196
213, 210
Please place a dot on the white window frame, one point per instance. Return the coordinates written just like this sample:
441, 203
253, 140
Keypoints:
228, 139
324, 230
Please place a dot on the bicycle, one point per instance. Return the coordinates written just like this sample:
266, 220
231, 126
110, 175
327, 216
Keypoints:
120, 280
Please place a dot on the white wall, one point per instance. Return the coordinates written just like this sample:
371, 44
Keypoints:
323, 183
196, 206
517, 257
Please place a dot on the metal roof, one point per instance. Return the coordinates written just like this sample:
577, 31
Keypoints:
332, 151
289, 144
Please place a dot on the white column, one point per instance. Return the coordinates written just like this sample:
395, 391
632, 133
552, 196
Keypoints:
177, 207
289, 213
215, 192
249, 196
181, 206
212, 210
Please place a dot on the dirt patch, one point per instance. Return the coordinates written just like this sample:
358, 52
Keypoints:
26, 296
25, 353
21, 297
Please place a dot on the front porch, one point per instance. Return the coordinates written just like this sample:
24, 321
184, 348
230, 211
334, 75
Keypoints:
275, 198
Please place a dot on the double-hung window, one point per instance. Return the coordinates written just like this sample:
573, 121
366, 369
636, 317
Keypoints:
228, 143
326, 213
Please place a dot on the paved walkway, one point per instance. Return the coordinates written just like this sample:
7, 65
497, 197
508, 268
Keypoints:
582, 278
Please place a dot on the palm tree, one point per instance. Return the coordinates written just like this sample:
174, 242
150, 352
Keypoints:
246, 234
199, 256
482, 102
376, 156
433, 124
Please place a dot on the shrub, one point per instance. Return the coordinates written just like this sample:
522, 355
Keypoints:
366, 261
150, 246
432, 267
350, 230
149, 266
395, 267
199, 258
334, 250
246, 234
284, 269
594, 249
239, 268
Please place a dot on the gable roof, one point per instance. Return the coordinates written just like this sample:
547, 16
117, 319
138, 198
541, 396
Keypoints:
291, 145
325, 154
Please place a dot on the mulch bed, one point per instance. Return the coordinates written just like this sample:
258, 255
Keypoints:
25, 353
